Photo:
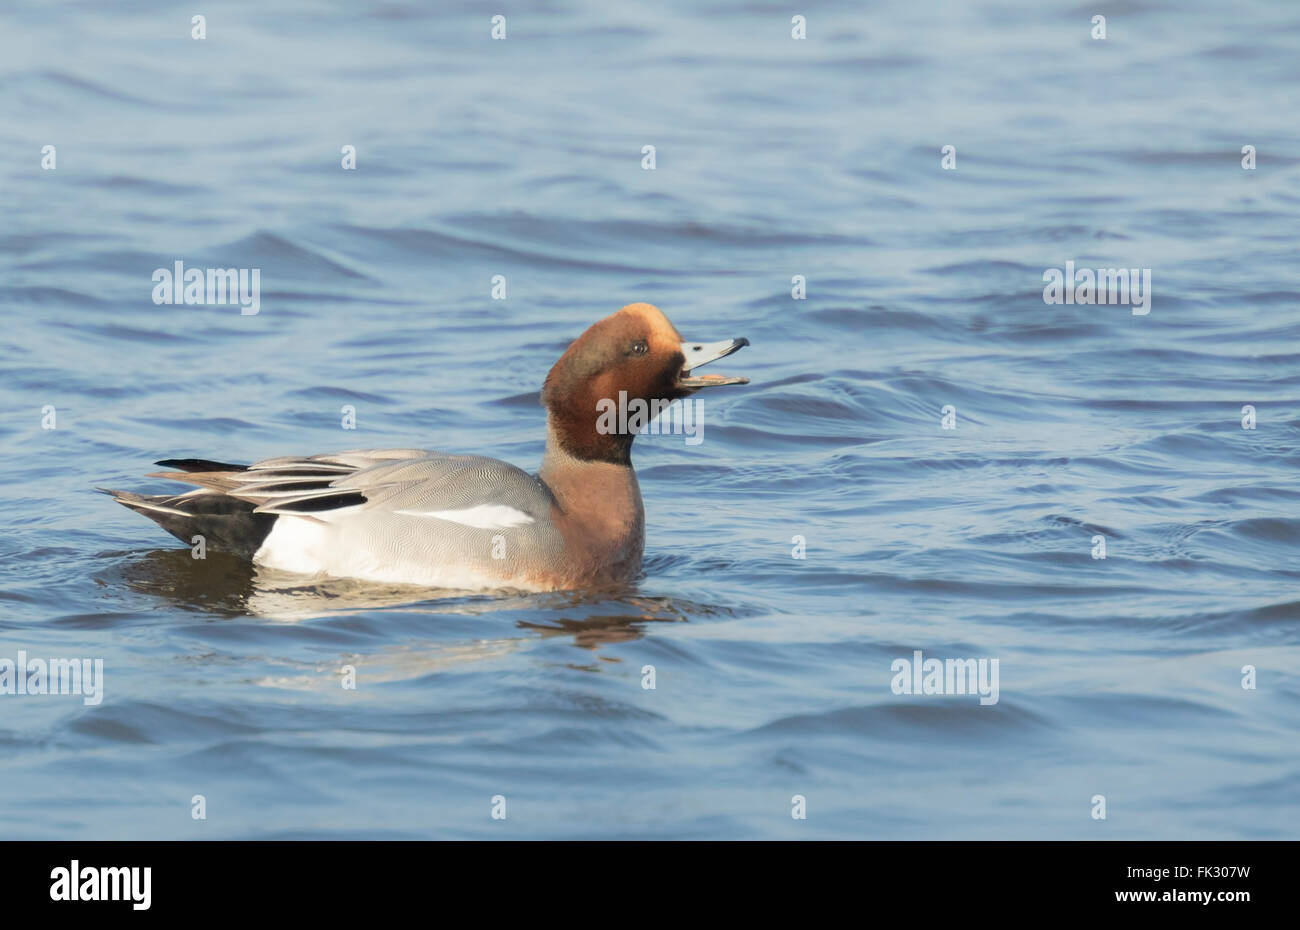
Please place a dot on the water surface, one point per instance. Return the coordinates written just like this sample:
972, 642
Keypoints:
774, 158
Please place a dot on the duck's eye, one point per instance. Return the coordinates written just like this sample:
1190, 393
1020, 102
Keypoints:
639, 348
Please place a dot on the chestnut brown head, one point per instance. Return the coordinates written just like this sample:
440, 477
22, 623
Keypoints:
634, 355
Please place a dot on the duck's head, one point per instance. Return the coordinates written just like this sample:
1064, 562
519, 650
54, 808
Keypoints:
633, 355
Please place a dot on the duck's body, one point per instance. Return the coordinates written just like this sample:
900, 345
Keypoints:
409, 516
459, 521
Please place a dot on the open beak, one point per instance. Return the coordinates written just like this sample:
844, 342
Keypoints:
701, 353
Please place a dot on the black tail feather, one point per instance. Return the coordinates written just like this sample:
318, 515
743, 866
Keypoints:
200, 465
226, 524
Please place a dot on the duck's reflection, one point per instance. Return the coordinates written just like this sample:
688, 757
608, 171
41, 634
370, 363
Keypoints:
233, 588
596, 630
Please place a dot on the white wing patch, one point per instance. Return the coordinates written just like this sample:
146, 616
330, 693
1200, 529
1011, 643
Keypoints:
483, 517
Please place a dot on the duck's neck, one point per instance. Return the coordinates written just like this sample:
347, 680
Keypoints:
599, 501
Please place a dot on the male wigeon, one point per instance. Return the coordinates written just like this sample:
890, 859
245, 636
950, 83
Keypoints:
461, 521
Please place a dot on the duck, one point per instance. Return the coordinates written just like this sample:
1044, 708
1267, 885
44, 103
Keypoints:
462, 522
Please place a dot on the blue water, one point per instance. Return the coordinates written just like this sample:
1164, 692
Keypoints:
1119, 677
